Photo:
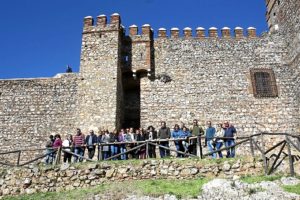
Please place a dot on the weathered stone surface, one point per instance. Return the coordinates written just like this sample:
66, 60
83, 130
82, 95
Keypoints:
85, 176
100, 95
110, 173
226, 167
289, 181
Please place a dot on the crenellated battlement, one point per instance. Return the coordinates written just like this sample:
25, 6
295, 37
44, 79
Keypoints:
146, 31
89, 24
213, 32
199, 33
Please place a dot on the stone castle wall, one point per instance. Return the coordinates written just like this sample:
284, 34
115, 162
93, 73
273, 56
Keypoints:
17, 181
100, 95
32, 109
284, 15
210, 80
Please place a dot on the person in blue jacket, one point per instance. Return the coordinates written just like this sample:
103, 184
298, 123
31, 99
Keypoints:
185, 133
176, 134
209, 136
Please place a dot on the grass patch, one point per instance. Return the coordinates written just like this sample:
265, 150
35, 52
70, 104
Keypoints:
155, 188
66, 195
260, 178
292, 188
179, 188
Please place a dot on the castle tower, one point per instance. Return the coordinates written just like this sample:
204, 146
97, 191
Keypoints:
100, 89
271, 14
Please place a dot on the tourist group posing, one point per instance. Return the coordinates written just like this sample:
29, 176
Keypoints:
129, 140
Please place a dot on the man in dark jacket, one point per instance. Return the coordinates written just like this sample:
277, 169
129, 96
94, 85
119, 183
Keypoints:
91, 141
195, 130
151, 135
164, 133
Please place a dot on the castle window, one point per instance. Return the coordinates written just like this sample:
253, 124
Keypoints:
263, 83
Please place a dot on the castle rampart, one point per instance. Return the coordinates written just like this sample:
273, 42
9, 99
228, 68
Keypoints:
137, 79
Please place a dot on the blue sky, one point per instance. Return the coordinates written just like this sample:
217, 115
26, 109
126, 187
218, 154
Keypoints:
40, 37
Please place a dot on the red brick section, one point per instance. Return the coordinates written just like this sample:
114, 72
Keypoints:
213, 32
187, 32
174, 33
115, 19
226, 32
88, 21
251, 32
162, 33
238, 33
101, 21
200, 33
133, 30
146, 29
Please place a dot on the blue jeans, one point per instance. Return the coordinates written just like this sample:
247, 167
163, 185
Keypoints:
49, 158
211, 148
123, 150
78, 151
163, 152
105, 154
218, 147
230, 151
113, 151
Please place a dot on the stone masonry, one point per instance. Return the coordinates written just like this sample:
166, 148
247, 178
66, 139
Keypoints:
137, 79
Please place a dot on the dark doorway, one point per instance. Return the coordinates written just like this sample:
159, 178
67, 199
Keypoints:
132, 101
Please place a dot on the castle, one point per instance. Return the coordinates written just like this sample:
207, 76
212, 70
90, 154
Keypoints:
137, 80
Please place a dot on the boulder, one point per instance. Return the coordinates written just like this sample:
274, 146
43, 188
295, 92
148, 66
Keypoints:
110, 173
289, 181
226, 167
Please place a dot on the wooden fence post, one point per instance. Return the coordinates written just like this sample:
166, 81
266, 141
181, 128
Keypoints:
58, 155
19, 157
292, 171
100, 151
251, 147
263, 154
147, 149
199, 147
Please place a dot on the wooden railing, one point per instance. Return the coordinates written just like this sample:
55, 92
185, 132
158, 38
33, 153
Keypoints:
257, 142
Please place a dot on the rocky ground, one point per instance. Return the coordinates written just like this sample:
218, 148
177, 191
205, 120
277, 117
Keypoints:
219, 189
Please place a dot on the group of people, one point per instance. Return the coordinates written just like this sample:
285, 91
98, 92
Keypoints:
128, 140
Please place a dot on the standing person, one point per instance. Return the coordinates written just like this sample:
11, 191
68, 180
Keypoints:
176, 133
56, 144
130, 138
196, 131
185, 133
151, 135
121, 138
91, 142
230, 135
209, 136
67, 143
219, 139
113, 137
49, 150
163, 134
140, 136
78, 140
105, 138
99, 141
